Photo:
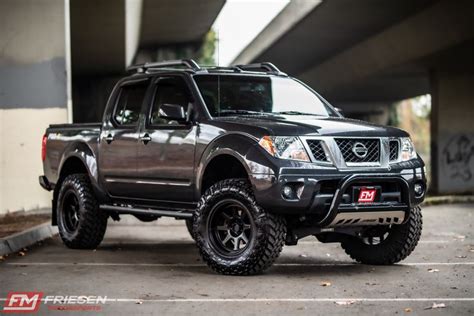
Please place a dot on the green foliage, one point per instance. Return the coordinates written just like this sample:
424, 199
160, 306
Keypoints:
206, 53
413, 115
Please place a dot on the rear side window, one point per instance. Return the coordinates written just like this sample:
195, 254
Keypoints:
129, 103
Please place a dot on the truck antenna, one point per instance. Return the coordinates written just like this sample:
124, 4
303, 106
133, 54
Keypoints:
218, 48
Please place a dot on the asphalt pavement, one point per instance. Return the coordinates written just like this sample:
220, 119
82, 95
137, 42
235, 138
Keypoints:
154, 268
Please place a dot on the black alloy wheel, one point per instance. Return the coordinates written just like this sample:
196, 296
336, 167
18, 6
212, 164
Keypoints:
230, 228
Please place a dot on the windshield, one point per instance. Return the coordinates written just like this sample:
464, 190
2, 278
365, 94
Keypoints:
259, 95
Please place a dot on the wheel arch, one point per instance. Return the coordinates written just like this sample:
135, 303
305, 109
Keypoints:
236, 155
77, 158
222, 166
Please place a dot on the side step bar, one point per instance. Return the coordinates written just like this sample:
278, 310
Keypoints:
184, 214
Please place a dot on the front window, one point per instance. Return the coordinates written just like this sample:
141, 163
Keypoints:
259, 95
171, 91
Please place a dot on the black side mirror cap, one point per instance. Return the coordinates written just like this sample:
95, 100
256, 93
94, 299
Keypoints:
173, 112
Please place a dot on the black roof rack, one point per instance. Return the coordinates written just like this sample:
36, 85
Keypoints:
265, 66
188, 63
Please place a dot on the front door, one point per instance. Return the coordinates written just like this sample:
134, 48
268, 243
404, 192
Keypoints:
165, 160
119, 139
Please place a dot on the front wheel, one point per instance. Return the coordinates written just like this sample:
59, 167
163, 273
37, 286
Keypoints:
233, 233
384, 245
80, 222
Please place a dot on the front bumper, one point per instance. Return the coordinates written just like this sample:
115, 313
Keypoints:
327, 196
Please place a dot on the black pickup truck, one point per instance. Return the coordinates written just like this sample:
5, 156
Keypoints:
251, 158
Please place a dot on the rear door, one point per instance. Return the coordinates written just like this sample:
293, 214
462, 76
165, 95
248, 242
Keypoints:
165, 160
119, 139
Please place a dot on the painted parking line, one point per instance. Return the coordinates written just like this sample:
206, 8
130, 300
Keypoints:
320, 300
186, 241
434, 241
121, 264
305, 300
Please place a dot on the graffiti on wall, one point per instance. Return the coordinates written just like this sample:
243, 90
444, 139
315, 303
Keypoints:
457, 157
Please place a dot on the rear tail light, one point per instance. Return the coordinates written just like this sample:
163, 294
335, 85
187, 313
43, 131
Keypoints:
43, 147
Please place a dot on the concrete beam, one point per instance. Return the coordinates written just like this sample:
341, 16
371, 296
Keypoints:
32, 54
97, 37
292, 14
32, 95
133, 15
436, 28
328, 29
452, 132
167, 22
390, 86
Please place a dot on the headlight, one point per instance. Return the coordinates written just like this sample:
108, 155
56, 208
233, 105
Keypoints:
284, 147
408, 149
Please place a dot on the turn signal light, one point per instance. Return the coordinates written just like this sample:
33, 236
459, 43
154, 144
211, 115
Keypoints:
43, 147
267, 143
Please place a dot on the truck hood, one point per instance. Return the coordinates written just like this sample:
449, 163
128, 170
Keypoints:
304, 125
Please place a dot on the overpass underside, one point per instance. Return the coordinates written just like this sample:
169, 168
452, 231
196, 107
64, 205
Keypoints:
109, 35
60, 59
365, 55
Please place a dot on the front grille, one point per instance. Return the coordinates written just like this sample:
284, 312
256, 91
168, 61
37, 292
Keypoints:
317, 150
346, 145
394, 148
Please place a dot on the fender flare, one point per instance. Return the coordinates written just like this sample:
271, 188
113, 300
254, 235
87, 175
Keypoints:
240, 146
85, 154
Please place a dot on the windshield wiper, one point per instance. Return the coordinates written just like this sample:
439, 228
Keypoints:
295, 113
244, 112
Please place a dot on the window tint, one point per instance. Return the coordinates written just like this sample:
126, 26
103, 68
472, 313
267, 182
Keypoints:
223, 93
129, 103
229, 94
169, 91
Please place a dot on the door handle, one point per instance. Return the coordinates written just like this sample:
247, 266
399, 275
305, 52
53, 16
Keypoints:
109, 138
145, 138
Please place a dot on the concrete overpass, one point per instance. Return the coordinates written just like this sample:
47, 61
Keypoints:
109, 35
60, 58
364, 55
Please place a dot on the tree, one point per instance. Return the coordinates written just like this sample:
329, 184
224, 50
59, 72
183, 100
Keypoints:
206, 53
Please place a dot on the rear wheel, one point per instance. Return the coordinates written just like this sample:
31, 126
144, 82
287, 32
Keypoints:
383, 245
80, 222
233, 233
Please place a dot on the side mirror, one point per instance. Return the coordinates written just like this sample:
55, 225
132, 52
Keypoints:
172, 112
339, 110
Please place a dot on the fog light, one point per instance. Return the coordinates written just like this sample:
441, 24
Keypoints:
287, 192
419, 189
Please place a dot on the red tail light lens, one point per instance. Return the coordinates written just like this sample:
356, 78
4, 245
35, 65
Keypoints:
43, 147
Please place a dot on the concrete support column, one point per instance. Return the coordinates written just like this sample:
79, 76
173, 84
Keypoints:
104, 37
33, 94
452, 132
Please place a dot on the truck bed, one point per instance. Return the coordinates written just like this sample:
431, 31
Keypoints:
68, 137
